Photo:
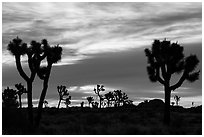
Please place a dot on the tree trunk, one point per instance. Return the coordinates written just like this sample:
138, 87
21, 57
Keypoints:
42, 96
30, 104
20, 104
99, 102
177, 103
167, 105
108, 103
59, 103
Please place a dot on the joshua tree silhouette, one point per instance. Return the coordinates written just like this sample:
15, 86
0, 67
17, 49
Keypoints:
172, 103
94, 104
177, 99
109, 97
21, 89
9, 97
82, 104
164, 59
53, 55
45, 102
67, 101
97, 91
90, 100
35, 56
192, 104
63, 92
120, 97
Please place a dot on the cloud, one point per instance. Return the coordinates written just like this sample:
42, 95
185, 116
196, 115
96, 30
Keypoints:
92, 28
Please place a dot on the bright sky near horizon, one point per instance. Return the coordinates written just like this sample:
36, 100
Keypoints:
103, 43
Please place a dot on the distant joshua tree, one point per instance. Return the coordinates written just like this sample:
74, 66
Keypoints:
90, 100
165, 59
97, 91
120, 97
45, 103
82, 104
94, 104
63, 94
67, 101
53, 55
177, 99
172, 103
20, 90
192, 104
109, 97
9, 98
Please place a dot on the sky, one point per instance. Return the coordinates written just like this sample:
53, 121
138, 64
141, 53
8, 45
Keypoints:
103, 43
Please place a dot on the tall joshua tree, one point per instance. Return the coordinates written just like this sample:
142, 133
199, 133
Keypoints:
90, 100
35, 56
63, 93
97, 91
165, 59
53, 55
21, 89
177, 99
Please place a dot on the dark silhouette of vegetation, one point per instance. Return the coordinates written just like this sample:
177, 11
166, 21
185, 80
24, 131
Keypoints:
9, 98
109, 97
20, 90
97, 90
177, 99
94, 104
18, 49
192, 104
63, 94
53, 55
172, 103
165, 59
45, 102
121, 98
82, 104
140, 119
67, 101
146, 101
90, 100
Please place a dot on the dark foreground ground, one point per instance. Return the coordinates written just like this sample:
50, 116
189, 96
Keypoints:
83, 121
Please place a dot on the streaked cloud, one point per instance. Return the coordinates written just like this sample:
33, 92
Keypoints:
92, 28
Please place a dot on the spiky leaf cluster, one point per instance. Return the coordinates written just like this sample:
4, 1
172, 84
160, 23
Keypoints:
17, 47
54, 54
166, 58
21, 89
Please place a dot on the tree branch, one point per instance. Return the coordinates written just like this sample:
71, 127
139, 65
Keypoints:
42, 57
180, 82
158, 76
30, 62
20, 69
164, 73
